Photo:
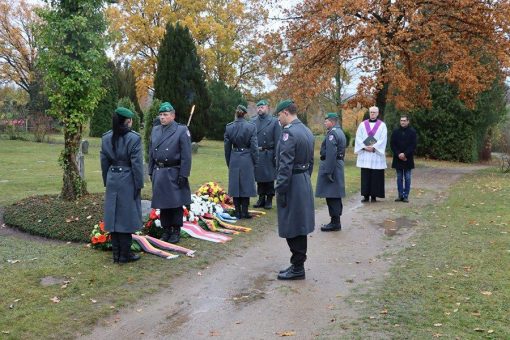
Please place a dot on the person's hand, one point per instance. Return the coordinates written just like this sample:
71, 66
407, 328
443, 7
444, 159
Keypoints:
181, 181
330, 178
282, 200
369, 148
402, 156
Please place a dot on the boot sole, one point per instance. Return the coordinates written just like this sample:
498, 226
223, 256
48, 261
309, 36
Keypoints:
291, 278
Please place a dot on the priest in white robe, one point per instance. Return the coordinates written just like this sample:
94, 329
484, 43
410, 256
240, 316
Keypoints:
370, 146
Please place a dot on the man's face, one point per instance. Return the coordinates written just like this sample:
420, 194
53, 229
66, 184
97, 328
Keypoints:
404, 122
328, 124
283, 117
166, 117
373, 114
262, 109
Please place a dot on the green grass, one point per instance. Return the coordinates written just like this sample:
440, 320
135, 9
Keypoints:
91, 274
454, 282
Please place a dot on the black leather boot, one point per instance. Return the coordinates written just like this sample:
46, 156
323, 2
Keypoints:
294, 273
126, 255
166, 234
269, 202
261, 202
285, 270
244, 207
334, 225
175, 235
237, 206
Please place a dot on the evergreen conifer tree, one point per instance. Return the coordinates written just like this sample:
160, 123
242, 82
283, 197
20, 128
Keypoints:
101, 120
150, 117
128, 104
180, 80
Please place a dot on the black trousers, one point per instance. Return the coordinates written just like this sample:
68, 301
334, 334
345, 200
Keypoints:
171, 217
372, 182
335, 206
265, 188
298, 247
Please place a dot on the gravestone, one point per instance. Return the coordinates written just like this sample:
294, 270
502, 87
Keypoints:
84, 146
194, 147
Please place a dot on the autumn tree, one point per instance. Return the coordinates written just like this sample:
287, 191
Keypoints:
400, 46
72, 45
181, 81
225, 33
18, 51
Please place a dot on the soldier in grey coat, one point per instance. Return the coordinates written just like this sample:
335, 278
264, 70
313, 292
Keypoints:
295, 202
169, 169
268, 133
122, 170
330, 181
241, 155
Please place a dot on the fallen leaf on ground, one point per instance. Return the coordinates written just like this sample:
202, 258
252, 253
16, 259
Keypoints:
384, 311
286, 333
476, 313
479, 329
6, 332
139, 310
89, 217
490, 331
214, 333
13, 261
55, 299
438, 324
437, 335
486, 293
93, 301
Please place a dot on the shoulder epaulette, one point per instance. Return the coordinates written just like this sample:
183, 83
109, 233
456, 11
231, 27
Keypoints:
230, 123
136, 133
107, 132
287, 126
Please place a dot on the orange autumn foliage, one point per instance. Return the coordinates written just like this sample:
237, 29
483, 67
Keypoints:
399, 47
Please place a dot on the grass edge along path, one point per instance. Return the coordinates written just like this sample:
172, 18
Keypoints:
452, 279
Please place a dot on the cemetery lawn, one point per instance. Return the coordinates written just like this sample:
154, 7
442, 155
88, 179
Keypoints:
55, 289
452, 281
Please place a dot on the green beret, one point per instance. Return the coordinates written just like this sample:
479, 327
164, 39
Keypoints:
242, 108
122, 111
166, 107
262, 102
331, 115
283, 105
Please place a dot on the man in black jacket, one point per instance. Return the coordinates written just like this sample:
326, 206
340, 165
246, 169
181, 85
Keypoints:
403, 144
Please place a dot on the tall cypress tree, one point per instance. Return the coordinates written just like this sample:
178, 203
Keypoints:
126, 83
101, 120
180, 80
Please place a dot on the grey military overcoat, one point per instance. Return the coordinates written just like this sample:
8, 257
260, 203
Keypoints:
295, 165
268, 133
122, 205
332, 163
170, 144
241, 155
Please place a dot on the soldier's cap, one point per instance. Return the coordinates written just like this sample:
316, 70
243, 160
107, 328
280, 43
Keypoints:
166, 107
283, 105
122, 111
242, 108
333, 115
262, 102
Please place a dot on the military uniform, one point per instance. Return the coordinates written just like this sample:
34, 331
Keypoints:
122, 172
330, 180
268, 133
241, 155
295, 202
169, 169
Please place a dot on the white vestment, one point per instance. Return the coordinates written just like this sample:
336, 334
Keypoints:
371, 160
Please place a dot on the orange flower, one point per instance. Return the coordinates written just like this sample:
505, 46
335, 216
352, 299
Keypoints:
101, 238
101, 226
94, 240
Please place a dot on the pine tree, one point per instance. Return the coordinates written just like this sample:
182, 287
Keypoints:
150, 117
126, 84
180, 80
101, 120
128, 104
224, 101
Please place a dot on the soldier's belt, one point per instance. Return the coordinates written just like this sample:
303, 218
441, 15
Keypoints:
239, 149
263, 148
168, 164
121, 163
299, 169
323, 158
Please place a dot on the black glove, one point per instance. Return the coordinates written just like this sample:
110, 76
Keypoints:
282, 200
330, 178
181, 181
137, 193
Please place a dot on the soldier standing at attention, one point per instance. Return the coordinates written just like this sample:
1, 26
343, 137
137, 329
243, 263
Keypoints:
169, 169
268, 132
295, 202
330, 181
241, 155
122, 170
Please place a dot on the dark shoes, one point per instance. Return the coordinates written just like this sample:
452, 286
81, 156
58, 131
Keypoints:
269, 202
292, 273
334, 225
261, 202
373, 199
398, 199
175, 235
166, 234
405, 200
129, 257
402, 199
365, 199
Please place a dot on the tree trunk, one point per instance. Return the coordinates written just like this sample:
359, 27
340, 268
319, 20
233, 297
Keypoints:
380, 99
73, 185
338, 92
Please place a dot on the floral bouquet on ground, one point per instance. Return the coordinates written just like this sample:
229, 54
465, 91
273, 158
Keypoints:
214, 193
200, 206
99, 238
153, 225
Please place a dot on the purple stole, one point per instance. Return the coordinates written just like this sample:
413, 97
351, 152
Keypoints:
372, 132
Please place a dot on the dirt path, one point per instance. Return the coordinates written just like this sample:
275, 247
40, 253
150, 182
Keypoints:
240, 298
